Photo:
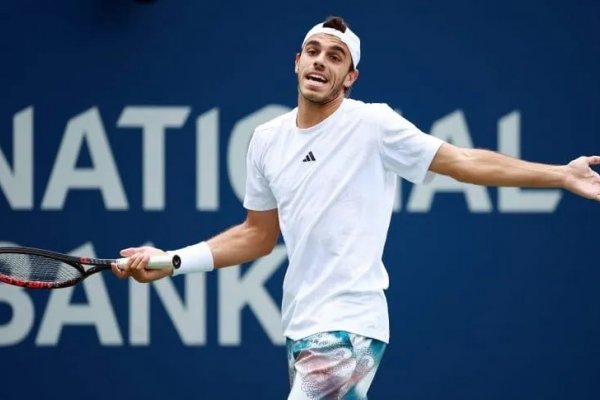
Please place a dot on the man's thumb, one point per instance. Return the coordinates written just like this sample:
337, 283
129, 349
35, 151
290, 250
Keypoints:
128, 252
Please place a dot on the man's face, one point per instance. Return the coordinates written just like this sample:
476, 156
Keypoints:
323, 69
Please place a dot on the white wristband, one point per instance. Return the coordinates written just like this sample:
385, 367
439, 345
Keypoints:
194, 258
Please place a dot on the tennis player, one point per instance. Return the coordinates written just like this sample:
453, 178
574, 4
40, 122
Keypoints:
325, 174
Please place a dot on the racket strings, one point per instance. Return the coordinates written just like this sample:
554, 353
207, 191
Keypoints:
31, 267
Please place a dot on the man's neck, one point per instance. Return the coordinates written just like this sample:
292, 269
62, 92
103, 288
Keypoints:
310, 114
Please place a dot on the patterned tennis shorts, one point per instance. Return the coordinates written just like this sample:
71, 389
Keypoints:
332, 365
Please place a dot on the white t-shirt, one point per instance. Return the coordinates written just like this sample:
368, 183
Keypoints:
333, 185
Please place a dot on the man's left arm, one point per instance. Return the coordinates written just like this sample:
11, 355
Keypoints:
483, 167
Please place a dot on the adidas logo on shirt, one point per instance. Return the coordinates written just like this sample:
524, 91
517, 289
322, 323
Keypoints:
309, 157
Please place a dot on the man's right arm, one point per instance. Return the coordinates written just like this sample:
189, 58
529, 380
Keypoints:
253, 238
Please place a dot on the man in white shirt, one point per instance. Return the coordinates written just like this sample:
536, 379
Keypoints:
324, 175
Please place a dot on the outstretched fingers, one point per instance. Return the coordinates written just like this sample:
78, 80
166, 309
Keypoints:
593, 160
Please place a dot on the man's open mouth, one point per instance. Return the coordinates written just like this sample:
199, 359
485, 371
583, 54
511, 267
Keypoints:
316, 78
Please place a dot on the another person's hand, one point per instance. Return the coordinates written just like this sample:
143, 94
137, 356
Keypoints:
138, 261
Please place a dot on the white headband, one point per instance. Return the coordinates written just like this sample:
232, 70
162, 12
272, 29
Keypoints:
349, 38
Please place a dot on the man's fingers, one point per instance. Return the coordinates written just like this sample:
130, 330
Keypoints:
142, 275
137, 264
128, 252
593, 160
134, 261
120, 273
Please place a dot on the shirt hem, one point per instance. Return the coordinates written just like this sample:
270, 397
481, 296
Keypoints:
383, 337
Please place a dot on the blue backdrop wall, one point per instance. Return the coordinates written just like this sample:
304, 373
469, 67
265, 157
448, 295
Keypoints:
123, 123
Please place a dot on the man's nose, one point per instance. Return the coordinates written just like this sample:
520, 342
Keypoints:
319, 63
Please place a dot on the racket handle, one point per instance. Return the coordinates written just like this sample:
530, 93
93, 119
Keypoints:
156, 262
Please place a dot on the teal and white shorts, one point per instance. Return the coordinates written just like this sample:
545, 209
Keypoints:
332, 365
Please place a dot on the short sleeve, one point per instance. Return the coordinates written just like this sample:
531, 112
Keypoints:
258, 193
405, 150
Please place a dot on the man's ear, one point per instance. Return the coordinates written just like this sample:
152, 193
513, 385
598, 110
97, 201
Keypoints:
296, 59
351, 78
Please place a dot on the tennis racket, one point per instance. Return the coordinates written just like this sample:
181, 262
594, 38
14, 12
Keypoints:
42, 269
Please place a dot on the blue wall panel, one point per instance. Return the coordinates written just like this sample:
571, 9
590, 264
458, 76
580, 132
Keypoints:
486, 302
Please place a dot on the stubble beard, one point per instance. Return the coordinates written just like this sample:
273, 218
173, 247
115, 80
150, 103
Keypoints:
319, 99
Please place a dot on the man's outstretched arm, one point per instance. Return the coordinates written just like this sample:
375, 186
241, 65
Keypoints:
253, 238
483, 167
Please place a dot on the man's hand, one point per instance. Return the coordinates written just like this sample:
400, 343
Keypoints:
581, 179
138, 261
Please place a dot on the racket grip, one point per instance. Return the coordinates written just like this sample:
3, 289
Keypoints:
166, 261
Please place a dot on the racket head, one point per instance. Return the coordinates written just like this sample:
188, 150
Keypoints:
41, 269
